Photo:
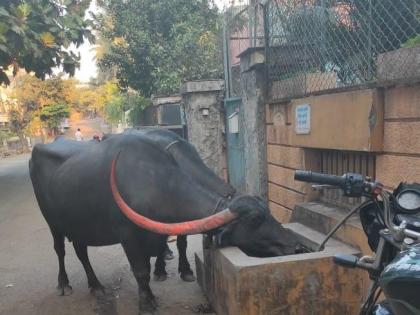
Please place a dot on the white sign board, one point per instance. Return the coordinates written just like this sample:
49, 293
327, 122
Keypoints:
233, 123
303, 119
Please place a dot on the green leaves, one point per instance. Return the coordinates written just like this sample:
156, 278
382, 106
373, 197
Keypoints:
413, 41
153, 46
53, 114
117, 102
35, 34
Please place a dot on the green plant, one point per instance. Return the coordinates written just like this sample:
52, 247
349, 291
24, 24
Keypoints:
4, 135
36, 35
53, 114
125, 101
413, 41
153, 46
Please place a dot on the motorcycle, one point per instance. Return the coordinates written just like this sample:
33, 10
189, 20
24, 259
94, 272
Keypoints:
391, 221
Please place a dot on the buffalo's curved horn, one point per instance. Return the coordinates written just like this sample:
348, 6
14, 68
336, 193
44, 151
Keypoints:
183, 228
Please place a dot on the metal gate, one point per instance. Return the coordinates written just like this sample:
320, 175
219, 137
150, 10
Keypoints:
235, 142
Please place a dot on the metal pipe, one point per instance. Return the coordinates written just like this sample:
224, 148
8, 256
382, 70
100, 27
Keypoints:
225, 60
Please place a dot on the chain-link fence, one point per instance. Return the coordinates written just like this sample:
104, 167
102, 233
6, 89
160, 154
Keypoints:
317, 45
244, 28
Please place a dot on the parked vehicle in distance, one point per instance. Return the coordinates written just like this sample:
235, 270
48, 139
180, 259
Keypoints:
391, 221
65, 125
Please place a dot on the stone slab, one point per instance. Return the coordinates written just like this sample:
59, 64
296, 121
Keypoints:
237, 284
342, 121
402, 102
322, 218
399, 64
202, 86
166, 99
402, 137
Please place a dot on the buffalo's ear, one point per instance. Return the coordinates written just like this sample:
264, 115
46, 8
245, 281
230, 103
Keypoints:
245, 205
262, 203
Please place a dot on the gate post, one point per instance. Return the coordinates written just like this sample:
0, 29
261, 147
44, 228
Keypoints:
253, 99
202, 101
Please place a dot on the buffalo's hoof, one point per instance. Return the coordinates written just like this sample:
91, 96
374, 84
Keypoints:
188, 277
97, 290
64, 289
148, 308
160, 278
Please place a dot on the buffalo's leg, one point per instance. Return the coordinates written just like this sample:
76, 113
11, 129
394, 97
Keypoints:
63, 287
93, 282
184, 266
168, 254
160, 273
140, 265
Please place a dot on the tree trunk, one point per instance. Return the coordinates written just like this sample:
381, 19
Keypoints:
23, 141
41, 132
5, 148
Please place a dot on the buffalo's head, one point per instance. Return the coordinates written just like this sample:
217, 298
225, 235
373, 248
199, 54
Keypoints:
255, 231
246, 223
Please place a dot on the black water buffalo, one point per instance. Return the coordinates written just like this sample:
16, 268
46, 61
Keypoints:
135, 189
189, 160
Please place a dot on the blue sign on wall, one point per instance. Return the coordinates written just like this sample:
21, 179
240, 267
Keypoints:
303, 119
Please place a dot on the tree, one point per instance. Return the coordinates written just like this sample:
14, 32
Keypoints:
123, 101
53, 114
23, 103
106, 93
4, 135
36, 35
33, 104
153, 46
18, 120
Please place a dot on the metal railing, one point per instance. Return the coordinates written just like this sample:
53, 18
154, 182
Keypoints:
317, 45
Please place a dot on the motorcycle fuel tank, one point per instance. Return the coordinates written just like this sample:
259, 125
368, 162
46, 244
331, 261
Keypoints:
400, 282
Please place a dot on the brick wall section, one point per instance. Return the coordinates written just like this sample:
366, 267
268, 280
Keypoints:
400, 160
285, 156
284, 177
402, 137
283, 159
393, 169
402, 102
282, 214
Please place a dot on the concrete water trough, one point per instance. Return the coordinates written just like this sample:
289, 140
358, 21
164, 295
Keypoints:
301, 284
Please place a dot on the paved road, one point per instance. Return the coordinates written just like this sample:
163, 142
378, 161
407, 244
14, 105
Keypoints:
88, 127
28, 264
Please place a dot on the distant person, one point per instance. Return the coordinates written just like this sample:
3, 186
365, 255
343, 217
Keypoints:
78, 135
96, 138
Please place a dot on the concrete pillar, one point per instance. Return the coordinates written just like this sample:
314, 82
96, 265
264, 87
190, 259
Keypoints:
202, 102
253, 99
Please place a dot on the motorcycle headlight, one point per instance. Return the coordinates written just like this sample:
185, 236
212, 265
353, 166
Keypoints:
409, 200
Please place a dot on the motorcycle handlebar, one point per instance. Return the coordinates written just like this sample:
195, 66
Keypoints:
352, 184
319, 178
